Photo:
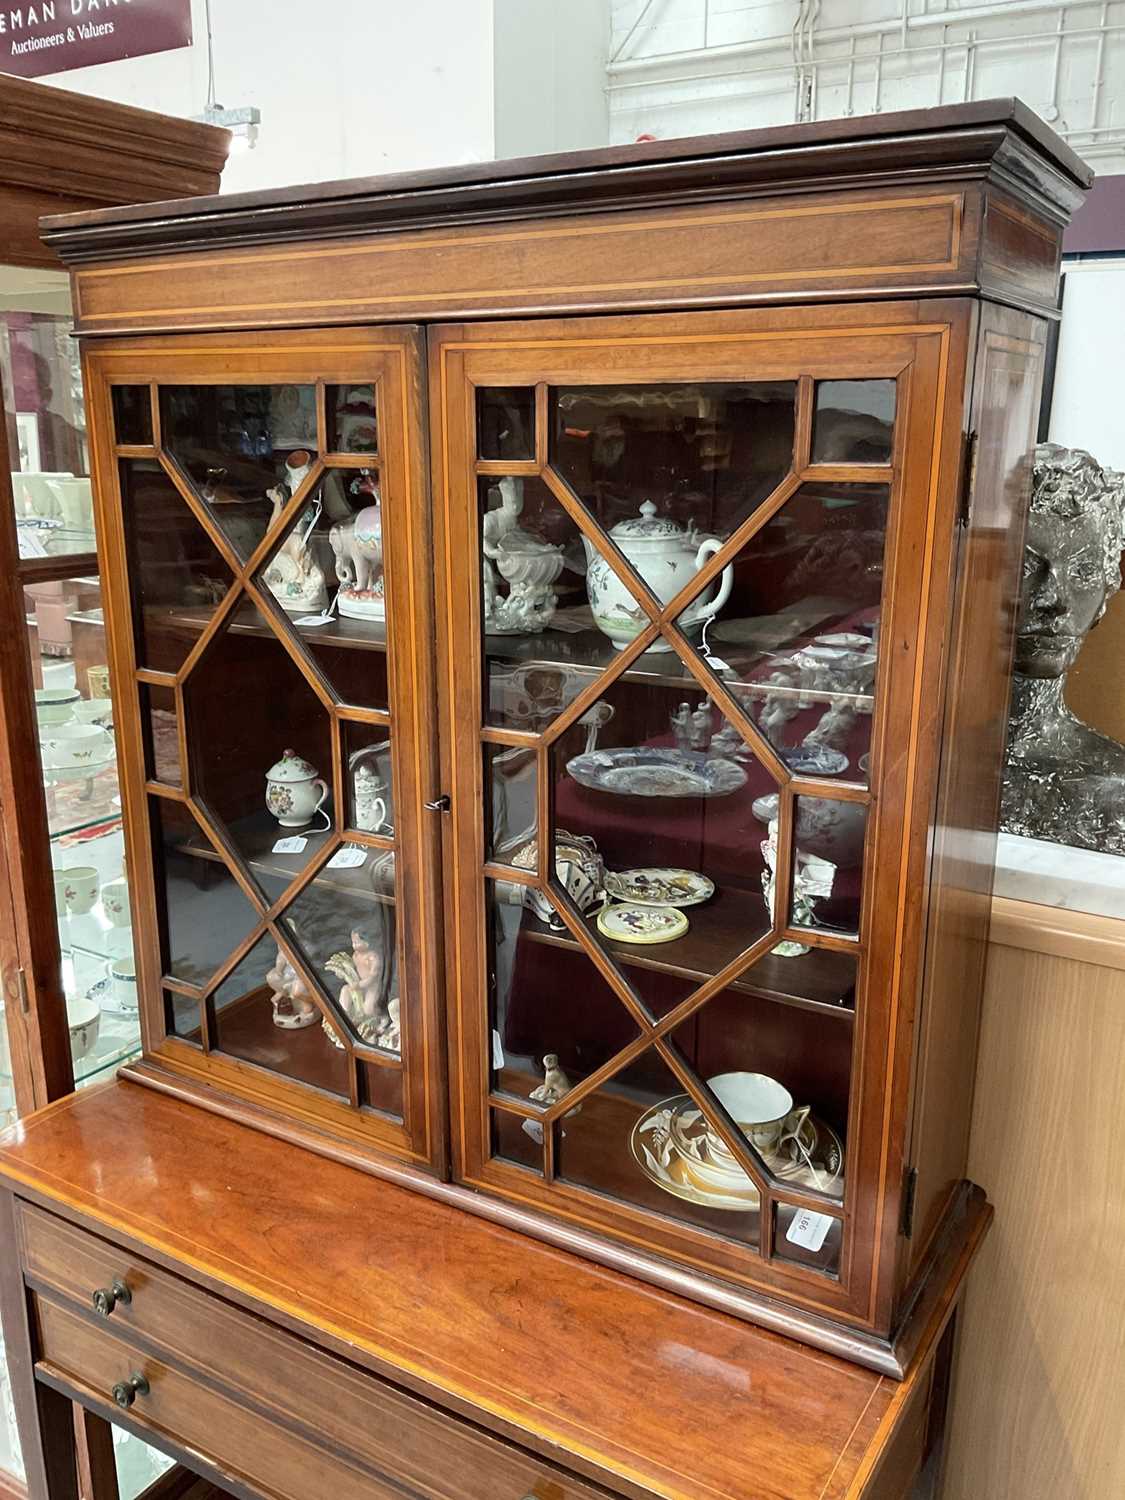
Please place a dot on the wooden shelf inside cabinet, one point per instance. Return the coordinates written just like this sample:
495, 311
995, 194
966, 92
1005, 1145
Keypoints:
362, 635
254, 837
245, 1030
589, 653
820, 980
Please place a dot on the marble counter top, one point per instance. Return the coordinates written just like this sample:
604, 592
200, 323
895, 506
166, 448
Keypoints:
1056, 875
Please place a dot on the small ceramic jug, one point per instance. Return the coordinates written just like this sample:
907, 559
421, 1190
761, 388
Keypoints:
294, 791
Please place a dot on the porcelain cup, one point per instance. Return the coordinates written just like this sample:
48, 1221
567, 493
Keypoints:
93, 710
60, 892
115, 901
123, 983
80, 890
757, 1104
84, 1021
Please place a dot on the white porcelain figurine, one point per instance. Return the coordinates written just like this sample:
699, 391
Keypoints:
293, 1007
293, 575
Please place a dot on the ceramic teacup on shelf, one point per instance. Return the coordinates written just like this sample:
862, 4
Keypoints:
80, 888
123, 983
758, 1105
55, 705
115, 901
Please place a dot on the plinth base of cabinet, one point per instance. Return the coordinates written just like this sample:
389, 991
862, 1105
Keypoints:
966, 1222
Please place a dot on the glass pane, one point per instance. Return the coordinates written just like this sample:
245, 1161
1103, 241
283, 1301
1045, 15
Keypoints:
631, 1139
335, 547
511, 789
261, 748
344, 927
160, 726
352, 427
204, 913
785, 1072
703, 455
828, 873
380, 1088
506, 422
676, 830
546, 998
46, 421
368, 778
540, 642
805, 1238
181, 1017
853, 421
516, 1139
132, 414
66, 650
237, 444
798, 634
176, 573
264, 1014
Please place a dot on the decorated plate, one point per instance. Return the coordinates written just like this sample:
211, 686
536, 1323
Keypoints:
659, 886
814, 760
642, 771
668, 1143
642, 924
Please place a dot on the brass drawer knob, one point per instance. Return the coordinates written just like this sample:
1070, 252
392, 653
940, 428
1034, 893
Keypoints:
107, 1298
125, 1392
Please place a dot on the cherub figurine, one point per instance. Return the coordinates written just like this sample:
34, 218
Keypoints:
701, 726
834, 727
555, 1082
360, 998
292, 1004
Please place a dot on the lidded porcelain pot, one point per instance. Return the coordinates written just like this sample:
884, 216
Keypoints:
294, 791
666, 556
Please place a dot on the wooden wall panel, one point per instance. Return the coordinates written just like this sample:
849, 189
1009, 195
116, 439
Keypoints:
1037, 1394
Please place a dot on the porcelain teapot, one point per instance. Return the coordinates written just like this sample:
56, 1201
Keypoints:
666, 556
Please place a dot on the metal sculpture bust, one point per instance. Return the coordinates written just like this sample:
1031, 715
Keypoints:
1064, 781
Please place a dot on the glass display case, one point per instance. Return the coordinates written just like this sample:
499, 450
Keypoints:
561, 717
680, 708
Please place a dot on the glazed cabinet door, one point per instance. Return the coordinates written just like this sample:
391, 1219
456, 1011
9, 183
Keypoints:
268, 571
687, 567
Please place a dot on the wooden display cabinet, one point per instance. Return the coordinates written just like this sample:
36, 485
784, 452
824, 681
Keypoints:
701, 470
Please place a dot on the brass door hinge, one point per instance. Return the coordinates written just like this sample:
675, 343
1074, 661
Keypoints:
968, 479
909, 1191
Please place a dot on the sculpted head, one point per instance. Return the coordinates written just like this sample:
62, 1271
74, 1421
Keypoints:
1072, 561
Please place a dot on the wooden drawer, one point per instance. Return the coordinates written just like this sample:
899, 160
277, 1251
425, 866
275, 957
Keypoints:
187, 1341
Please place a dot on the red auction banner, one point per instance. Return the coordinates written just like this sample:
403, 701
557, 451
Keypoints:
51, 36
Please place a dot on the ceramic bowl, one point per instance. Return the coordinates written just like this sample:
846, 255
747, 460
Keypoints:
84, 1021
93, 710
55, 705
76, 745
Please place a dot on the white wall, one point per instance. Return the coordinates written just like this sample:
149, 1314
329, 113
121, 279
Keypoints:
346, 88
1087, 408
684, 67
550, 92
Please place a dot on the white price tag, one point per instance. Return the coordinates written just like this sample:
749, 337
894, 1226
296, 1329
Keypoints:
534, 1129
809, 1230
348, 858
292, 845
314, 620
497, 1051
